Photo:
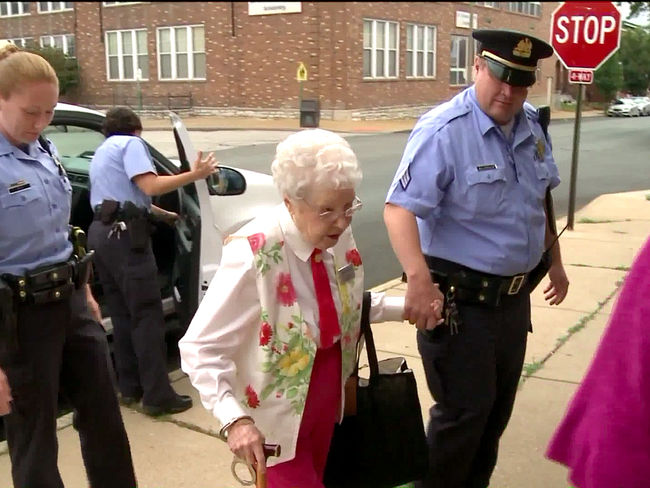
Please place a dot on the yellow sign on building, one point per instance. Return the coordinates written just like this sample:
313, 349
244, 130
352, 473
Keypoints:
301, 74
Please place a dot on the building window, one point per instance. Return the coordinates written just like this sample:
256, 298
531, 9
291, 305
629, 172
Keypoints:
10, 9
126, 52
181, 53
63, 42
21, 41
488, 4
528, 8
117, 4
380, 49
420, 51
54, 6
459, 60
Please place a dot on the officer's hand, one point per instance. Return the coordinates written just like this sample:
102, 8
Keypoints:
93, 306
170, 217
558, 288
5, 394
204, 167
247, 442
424, 302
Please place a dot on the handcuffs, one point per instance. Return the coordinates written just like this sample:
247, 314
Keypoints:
269, 450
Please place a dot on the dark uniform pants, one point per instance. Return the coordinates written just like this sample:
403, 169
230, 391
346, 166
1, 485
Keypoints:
61, 347
473, 377
130, 285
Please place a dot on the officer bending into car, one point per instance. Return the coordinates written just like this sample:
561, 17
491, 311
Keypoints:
50, 339
466, 212
123, 179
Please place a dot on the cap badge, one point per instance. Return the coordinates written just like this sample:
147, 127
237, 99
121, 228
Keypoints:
523, 48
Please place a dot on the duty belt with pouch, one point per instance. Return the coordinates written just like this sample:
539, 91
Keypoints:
51, 283
126, 216
472, 286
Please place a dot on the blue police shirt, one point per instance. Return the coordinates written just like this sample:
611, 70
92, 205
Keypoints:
35, 198
116, 161
478, 196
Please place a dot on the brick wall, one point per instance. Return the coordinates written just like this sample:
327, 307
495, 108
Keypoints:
251, 61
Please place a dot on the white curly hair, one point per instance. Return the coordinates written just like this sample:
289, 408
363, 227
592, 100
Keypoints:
314, 158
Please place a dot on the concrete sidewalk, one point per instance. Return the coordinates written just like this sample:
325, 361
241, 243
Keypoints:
183, 451
211, 123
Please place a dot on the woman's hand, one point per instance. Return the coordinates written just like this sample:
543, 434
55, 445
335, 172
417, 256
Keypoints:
93, 306
204, 167
246, 442
5, 394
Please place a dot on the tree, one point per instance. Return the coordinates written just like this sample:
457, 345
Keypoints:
635, 56
609, 77
66, 68
637, 8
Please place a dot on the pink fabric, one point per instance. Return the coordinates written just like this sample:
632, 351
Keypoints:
604, 438
329, 321
306, 470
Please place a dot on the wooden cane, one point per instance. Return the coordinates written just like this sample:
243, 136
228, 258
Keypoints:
269, 450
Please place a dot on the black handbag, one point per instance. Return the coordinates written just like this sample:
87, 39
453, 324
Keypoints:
383, 445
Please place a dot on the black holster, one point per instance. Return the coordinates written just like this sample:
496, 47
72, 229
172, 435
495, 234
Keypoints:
83, 268
538, 272
8, 322
137, 221
108, 210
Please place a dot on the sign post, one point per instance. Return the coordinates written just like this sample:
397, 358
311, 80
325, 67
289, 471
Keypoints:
584, 35
301, 76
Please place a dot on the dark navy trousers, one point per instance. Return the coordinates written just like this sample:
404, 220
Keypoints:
473, 376
61, 349
130, 285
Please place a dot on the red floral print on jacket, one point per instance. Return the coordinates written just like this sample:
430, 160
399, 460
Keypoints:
265, 333
353, 257
257, 241
251, 397
286, 293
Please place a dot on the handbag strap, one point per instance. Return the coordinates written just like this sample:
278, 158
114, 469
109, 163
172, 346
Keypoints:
366, 332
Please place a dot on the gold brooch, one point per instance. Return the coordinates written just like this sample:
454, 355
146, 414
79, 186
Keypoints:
523, 48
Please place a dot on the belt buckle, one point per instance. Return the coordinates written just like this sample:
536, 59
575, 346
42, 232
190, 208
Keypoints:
515, 284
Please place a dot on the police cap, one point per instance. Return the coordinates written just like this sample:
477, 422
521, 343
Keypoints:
511, 56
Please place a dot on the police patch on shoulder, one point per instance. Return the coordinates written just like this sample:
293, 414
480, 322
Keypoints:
405, 179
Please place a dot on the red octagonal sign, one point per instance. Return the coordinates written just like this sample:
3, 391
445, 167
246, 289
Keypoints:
585, 34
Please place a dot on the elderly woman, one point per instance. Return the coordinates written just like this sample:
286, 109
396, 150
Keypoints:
274, 339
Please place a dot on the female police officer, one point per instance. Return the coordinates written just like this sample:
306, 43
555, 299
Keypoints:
122, 181
48, 340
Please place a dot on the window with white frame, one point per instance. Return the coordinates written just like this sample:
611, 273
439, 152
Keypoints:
10, 9
380, 49
64, 42
181, 53
420, 51
488, 4
126, 52
116, 4
21, 41
528, 8
54, 6
458, 63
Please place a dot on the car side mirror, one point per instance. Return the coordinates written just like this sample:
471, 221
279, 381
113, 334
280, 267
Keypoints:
226, 181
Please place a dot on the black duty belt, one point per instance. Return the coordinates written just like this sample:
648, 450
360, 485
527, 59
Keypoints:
121, 214
50, 283
474, 286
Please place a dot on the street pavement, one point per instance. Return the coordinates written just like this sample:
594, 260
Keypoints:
183, 451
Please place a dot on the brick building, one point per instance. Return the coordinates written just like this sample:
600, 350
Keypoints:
361, 59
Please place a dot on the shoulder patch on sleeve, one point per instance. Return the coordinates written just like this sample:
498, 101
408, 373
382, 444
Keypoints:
405, 179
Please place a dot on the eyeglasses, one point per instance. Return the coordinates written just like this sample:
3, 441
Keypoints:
332, 215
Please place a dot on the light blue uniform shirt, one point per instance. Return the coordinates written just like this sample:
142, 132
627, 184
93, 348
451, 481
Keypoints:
115, 163
477, 195
34, 209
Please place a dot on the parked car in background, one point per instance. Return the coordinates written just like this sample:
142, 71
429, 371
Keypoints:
643, 103
623, 107
187, 254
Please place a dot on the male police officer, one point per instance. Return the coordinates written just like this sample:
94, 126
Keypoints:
466, 209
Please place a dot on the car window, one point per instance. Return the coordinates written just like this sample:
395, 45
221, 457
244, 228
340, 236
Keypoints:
76, 145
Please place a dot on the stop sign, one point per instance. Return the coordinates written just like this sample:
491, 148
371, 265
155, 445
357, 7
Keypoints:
585, 34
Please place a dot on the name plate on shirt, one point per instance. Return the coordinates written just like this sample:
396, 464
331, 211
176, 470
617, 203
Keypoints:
346, 273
